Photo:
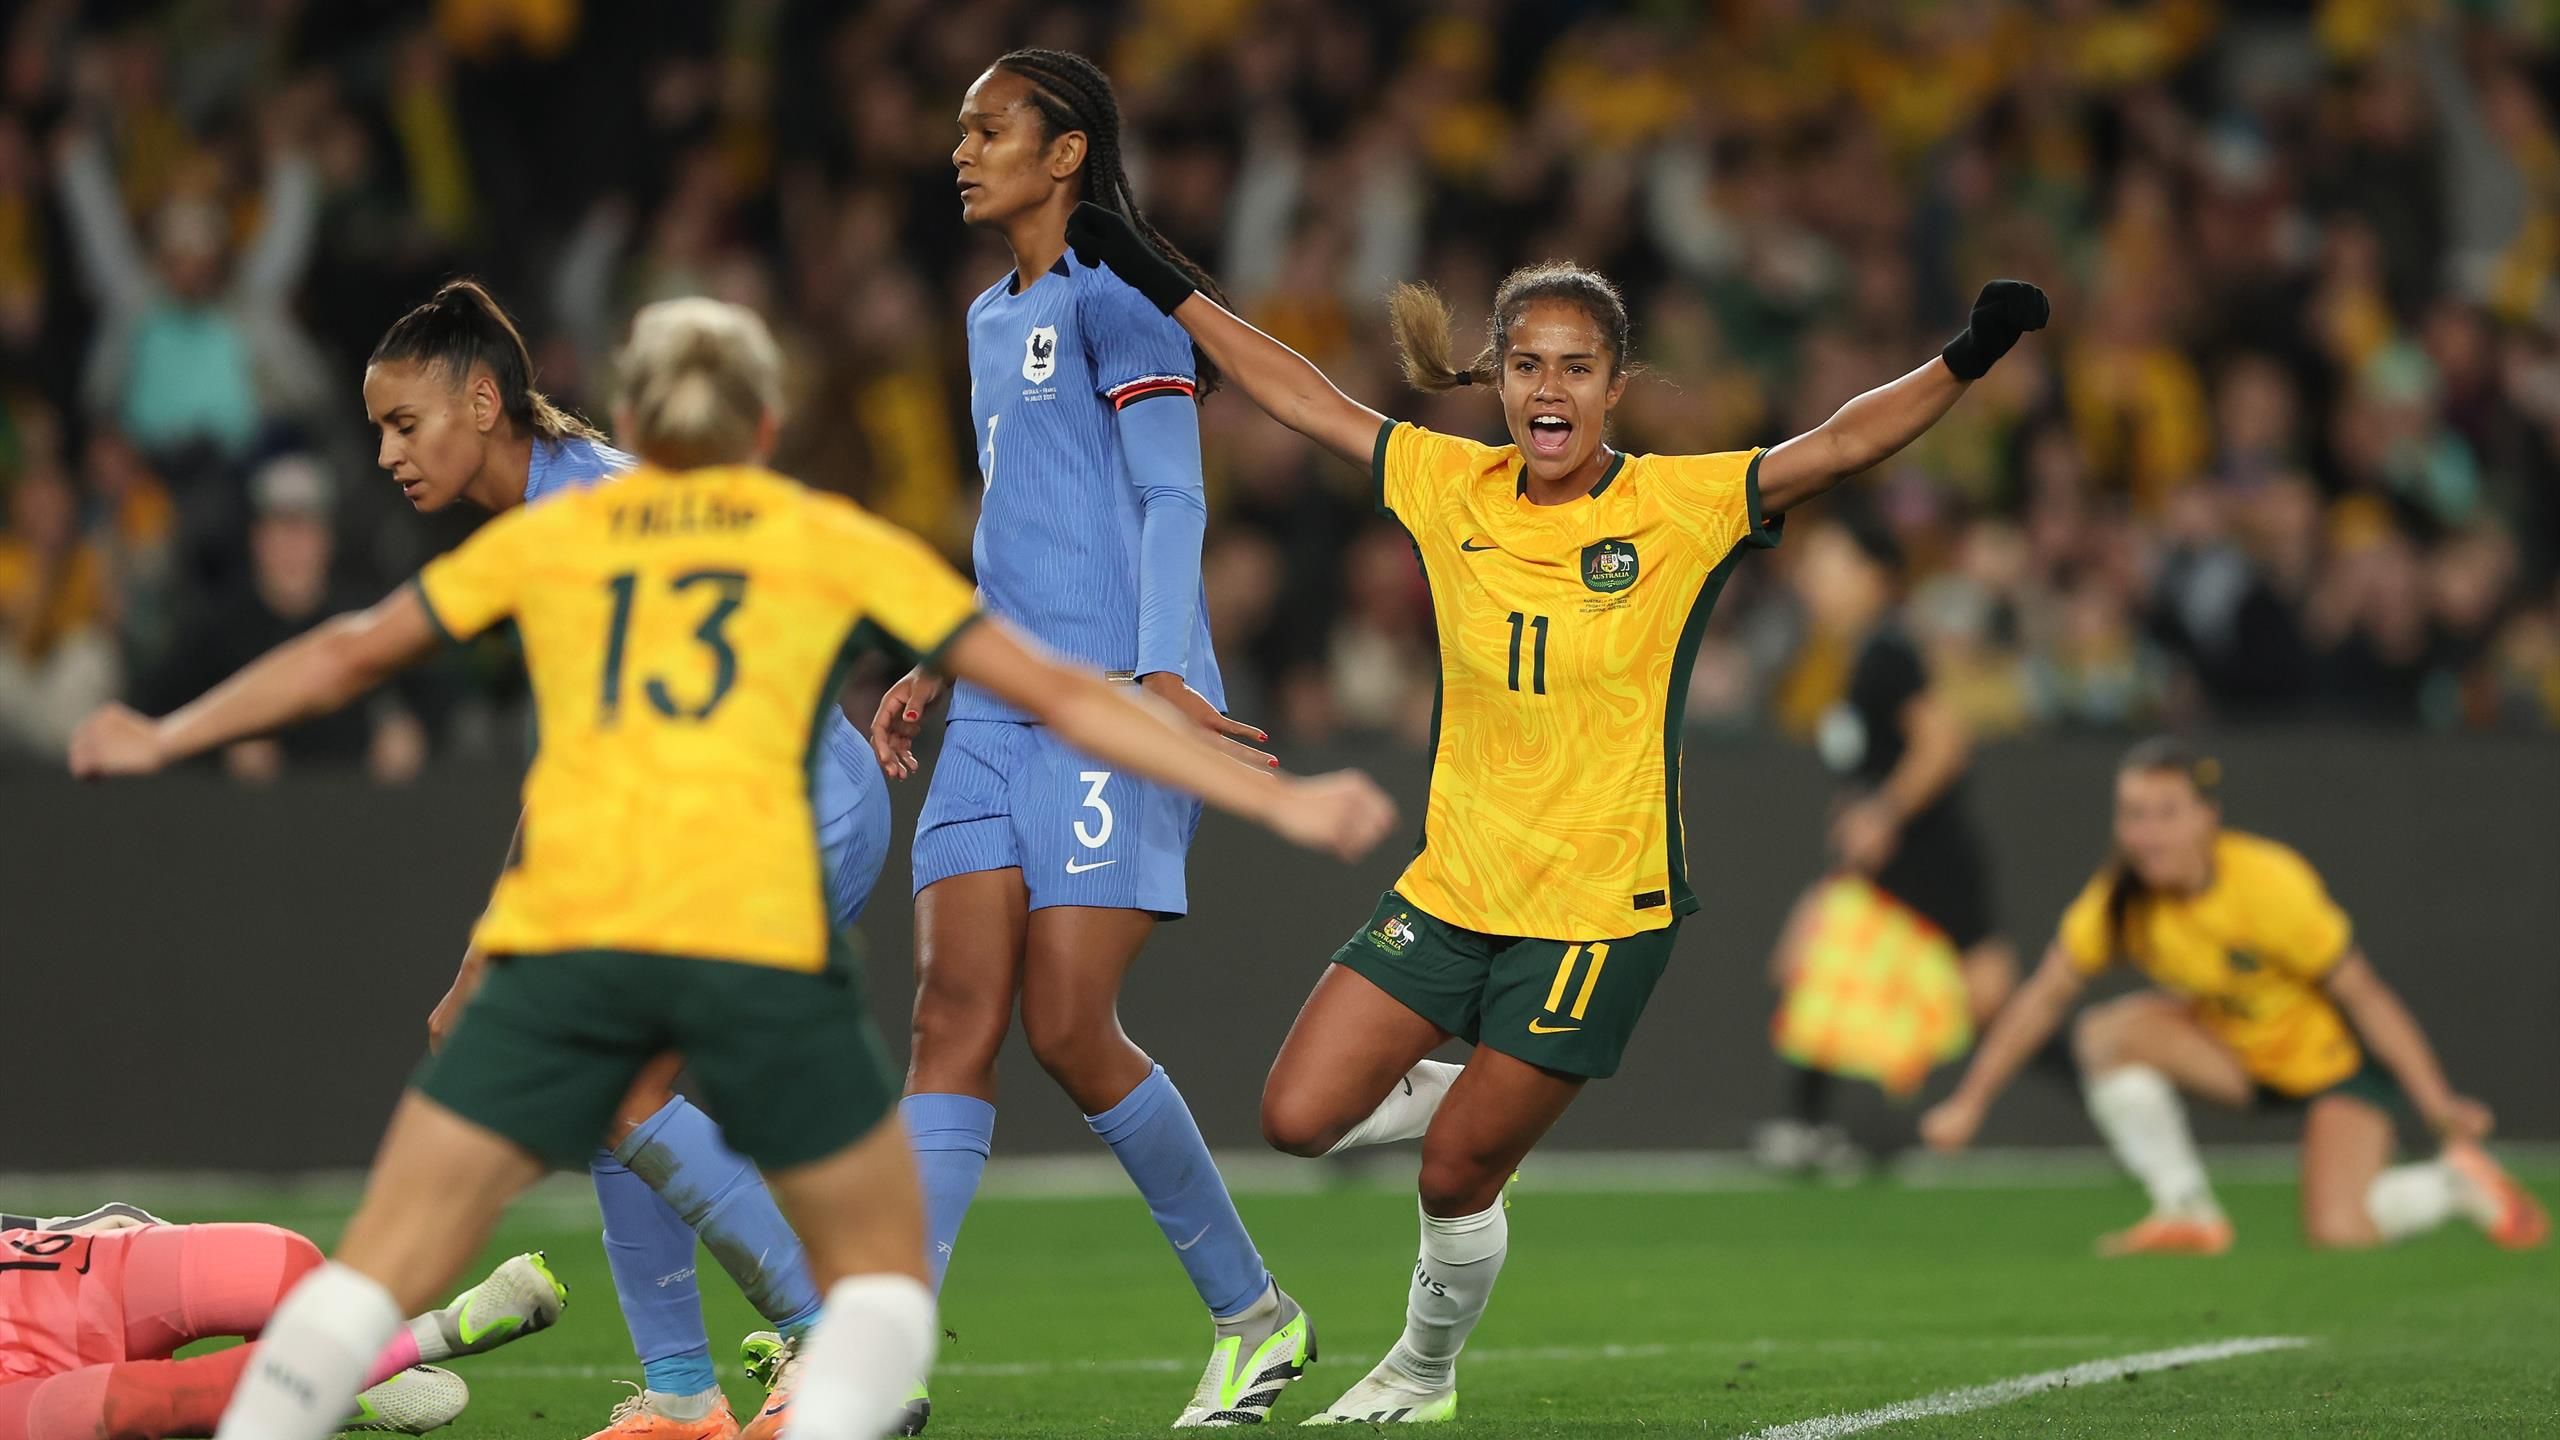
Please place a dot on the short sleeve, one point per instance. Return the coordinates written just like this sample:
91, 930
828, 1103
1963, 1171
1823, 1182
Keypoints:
1716, 499
911, 597
1411, 468
2087, 937
477, 583
1134, 349
2297, 926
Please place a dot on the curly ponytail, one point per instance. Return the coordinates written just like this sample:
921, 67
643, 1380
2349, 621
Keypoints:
1420, 319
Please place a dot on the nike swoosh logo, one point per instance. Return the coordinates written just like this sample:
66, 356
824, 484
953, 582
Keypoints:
1194, 1240
1539, 1027
473, 1334
1471, 547
1075, 869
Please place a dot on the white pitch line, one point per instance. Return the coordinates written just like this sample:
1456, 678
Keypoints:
2001, 1392
1489, 1354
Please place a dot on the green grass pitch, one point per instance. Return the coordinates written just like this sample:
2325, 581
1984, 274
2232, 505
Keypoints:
1714, 1314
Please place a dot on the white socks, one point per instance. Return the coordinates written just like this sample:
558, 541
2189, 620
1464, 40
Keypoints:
1451, 1283
312, 1358
2138, 1111
2411, 1200
870, 1350
1407, 1110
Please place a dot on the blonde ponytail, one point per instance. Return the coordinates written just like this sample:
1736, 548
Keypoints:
698, 379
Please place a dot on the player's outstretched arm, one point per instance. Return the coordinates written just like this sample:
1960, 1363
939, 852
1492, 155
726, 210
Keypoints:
1288, 386
1869, 429
312, 674
1344, 813
2395, 1037
2022, 1027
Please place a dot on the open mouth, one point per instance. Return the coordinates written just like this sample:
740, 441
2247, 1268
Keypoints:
1550, 435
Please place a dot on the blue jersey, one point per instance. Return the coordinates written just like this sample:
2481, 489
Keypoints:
571, 464
1057, 546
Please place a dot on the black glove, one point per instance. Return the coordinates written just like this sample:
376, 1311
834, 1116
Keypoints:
2005, 310
1105, 237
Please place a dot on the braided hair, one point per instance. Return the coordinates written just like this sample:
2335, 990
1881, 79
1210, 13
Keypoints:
1072, 93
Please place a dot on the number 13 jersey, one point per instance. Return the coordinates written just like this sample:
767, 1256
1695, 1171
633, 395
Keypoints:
1567, 633
685, 635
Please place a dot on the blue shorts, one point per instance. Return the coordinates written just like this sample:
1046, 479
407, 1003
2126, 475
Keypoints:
1008, 796
851, 798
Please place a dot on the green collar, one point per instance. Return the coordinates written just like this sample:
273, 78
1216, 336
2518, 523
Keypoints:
1617, 462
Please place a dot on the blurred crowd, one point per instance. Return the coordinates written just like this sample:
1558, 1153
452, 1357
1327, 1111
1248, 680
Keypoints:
2291, 450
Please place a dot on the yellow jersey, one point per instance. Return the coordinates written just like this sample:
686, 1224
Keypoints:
1567, 633
685, 634
2248, 952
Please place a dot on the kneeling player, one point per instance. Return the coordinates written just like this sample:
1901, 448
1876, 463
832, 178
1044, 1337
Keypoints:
2263, 998
93, 1307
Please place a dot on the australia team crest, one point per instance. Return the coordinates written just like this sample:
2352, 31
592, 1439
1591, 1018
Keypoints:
1609, 566
1395, 934
1040, 354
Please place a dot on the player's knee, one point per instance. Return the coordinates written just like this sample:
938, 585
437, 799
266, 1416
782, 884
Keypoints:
1460, 1183
959, 1027
1294, 1125
297, 1258
2339, 1227
1067, 1040
2097, 1039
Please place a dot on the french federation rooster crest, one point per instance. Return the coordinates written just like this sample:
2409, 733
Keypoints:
1040, 354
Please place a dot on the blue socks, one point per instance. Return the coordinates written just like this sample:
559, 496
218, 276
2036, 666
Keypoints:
1159, 1144
679, 1152
651, 1252
951, 1135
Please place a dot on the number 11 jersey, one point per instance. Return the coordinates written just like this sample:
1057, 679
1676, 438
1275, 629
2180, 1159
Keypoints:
1567, 633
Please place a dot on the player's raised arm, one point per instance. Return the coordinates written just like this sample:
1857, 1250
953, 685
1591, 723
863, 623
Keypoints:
1870, 428
2024, 1024
312, 674
1283, 382
1344, 813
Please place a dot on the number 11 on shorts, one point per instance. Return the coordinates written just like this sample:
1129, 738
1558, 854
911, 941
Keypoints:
1564, 978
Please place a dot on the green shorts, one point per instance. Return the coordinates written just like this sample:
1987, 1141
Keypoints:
2370, 1083
1566, 1006
549, 1046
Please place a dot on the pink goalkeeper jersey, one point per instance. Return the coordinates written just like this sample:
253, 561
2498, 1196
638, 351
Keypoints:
61, 1301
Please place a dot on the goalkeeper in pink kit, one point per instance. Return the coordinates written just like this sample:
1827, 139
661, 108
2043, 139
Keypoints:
92, 1307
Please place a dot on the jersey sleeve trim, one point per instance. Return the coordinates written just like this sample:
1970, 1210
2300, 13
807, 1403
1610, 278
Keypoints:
1147, 387
1766, 530
1378, 468
934, 656
444, 632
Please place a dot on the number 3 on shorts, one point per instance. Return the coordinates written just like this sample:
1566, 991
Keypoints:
1094, 780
